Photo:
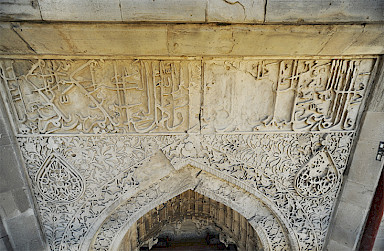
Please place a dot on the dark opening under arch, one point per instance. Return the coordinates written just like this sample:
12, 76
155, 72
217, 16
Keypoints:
191, 221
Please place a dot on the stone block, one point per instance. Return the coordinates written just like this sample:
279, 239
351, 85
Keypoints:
10, 177
229, 11
339, 38
8, 205
163, 10
334, 245
376, 104
379, 243
21, 198
369, 42
4, 137
373, 128
193, 40
268, 40
357, 194
96, 39
23, 230
324, 11
5, 130
19, 10
10, 42
74, 10
365, 169
348, 224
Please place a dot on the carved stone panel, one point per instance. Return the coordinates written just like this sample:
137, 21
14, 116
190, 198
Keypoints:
95, 96
58, 182
317, 177
298, 95
164, 96
297, 175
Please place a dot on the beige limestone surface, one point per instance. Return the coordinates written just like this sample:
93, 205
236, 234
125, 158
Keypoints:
190, 39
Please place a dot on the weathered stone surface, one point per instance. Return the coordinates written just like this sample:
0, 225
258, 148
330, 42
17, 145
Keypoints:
356, 193
192, 39
10, 41
5, 245
95, 39
199, 108
229, 11
20, 10
23, 229
202, 111
349, 224
376, 103
262, 95
334, 245
153, 96
373, 127
379, 242
10, 175
361, 177
8, 204
15, 198
3, 233
324, 11
163, 10
367, 42
74, 10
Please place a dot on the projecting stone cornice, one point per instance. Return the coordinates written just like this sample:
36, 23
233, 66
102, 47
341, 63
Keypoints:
86, 39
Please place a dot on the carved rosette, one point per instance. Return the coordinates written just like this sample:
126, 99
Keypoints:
58, 182
317, 177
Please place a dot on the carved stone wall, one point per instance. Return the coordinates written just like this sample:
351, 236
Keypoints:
106, 141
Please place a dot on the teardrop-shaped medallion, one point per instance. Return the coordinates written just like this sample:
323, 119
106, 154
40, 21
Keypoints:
58, 182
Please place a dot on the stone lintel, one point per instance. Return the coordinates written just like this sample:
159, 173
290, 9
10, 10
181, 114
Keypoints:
86, 39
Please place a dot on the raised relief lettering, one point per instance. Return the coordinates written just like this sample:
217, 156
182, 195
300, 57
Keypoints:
96, 96
287, 95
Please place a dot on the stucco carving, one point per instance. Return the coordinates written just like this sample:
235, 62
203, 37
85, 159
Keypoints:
317, 177
259, 215
141, 96
95, 96
117, 167
58, 182
280, 131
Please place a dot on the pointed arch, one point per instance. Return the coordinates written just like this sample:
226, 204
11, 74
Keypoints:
272, 231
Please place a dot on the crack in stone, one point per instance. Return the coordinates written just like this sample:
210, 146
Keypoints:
327, 42
121, 12
265, 10
237, 2
38, 4
29, 47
